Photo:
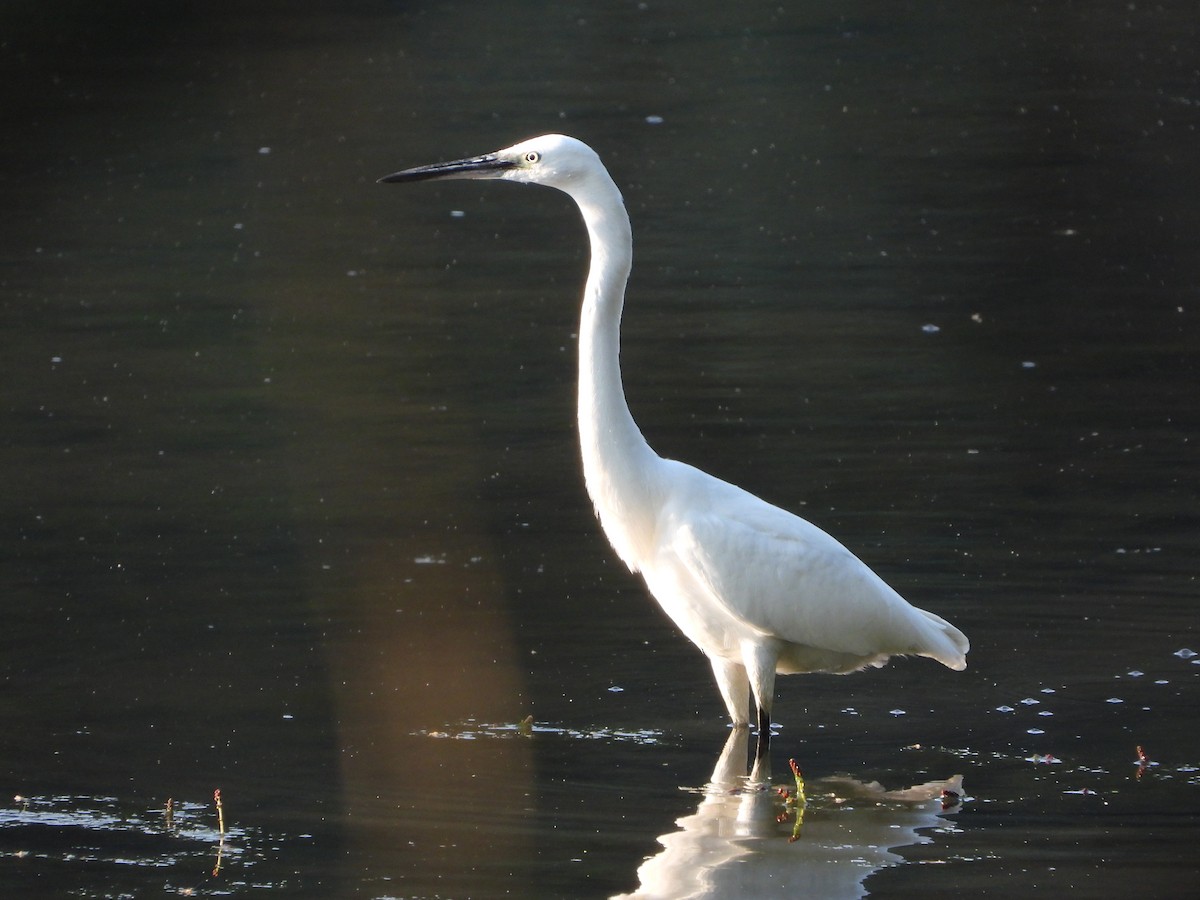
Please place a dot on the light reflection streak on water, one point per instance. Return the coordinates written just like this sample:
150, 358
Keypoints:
470, 731
98, 829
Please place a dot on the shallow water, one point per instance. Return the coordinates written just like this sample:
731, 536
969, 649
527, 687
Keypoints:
293, 509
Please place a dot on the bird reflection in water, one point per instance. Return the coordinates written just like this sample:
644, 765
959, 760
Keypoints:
743, 840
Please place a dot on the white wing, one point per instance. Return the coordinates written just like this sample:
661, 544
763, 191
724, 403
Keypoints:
785, 578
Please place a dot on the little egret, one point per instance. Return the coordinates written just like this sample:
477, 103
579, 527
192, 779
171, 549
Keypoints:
759, 590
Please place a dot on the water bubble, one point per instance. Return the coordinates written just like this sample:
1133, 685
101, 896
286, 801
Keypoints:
1185, 653
1114, 700
1005, 709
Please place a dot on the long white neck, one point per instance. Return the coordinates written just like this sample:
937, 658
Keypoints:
618, 464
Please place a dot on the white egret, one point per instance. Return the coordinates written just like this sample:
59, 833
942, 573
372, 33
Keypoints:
759, 590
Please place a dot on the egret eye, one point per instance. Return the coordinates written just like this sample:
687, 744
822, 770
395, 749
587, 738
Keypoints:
532, 156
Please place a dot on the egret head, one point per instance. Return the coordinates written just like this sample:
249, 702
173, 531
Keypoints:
552, 159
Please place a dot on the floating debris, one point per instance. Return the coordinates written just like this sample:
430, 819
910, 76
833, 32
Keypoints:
1143, 762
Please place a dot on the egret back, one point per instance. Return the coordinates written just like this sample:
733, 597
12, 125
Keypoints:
783, 577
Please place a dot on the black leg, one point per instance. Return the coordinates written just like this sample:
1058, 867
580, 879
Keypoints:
764, 734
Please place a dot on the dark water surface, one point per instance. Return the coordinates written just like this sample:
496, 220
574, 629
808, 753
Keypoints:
292, 506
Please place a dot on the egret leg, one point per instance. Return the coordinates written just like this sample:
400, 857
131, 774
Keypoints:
760, 659
761, 772
735, 689
763, 746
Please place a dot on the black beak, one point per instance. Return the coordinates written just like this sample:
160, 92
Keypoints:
487, 166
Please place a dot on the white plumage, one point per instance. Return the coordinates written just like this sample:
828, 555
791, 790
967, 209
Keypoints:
756, 588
